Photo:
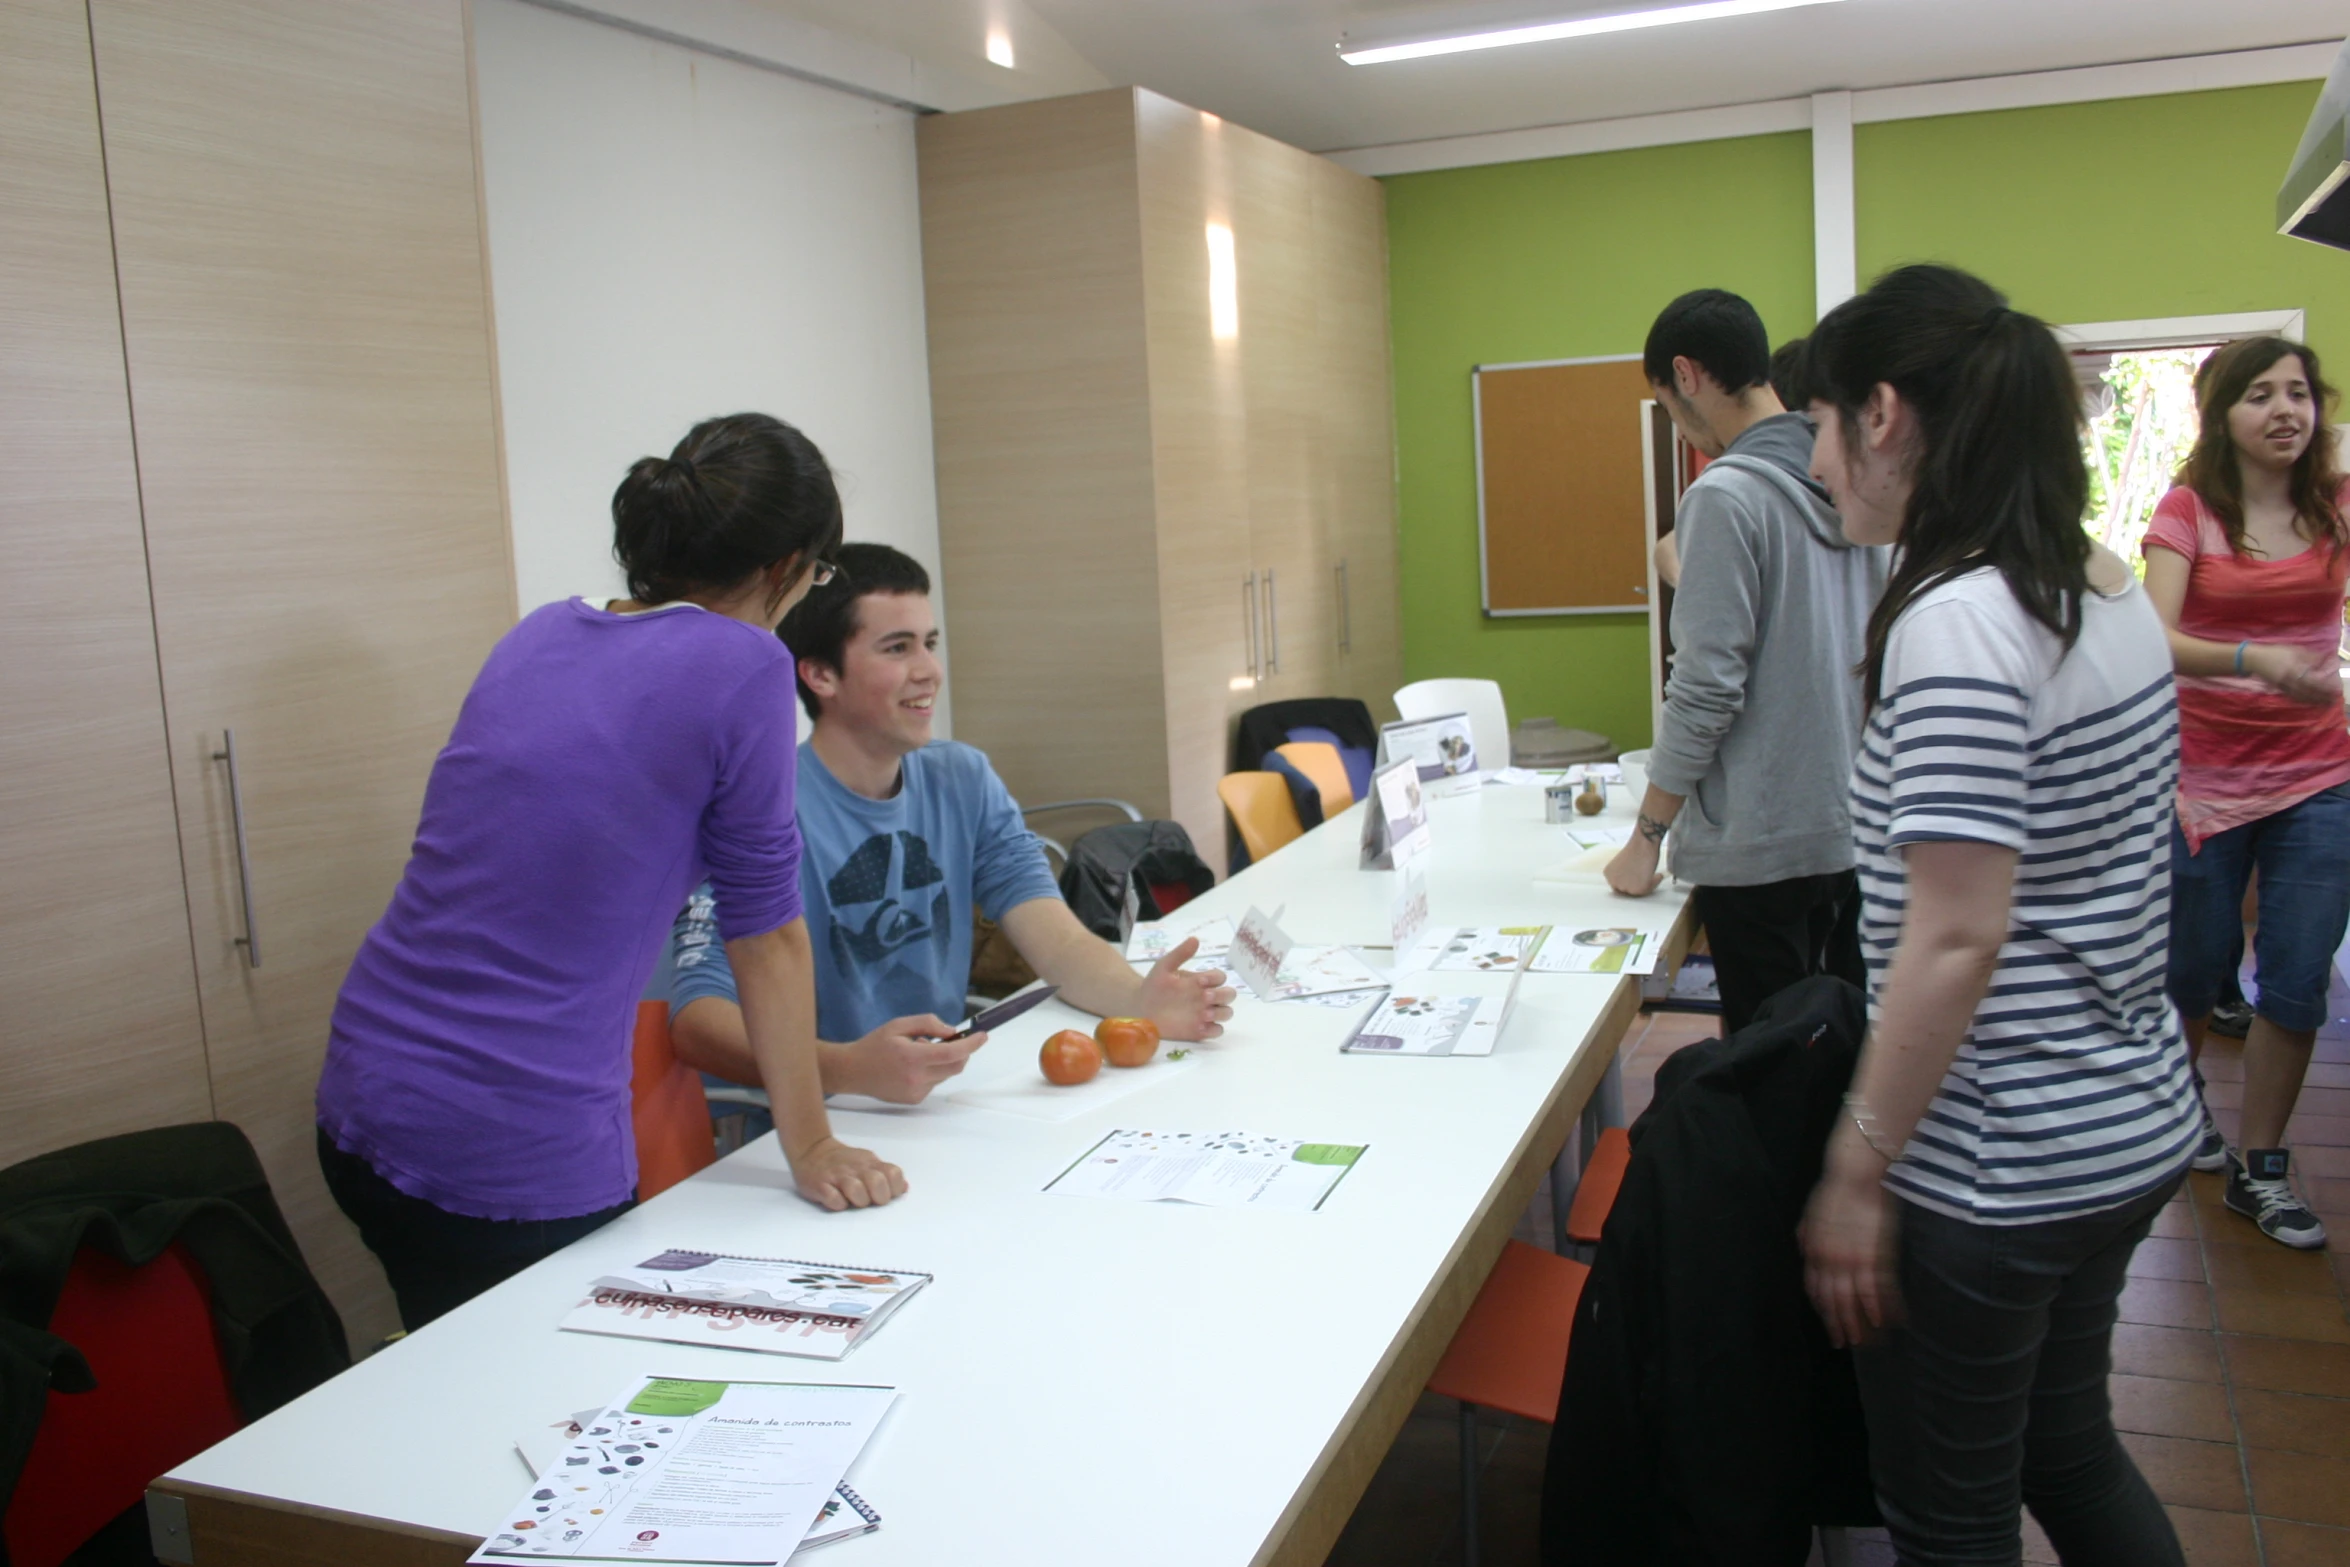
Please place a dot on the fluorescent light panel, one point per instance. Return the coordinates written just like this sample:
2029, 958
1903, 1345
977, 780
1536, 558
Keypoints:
1580, 27
1223, 284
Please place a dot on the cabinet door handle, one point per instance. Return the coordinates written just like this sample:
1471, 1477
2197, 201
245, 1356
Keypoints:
1346, 626
1248, 614
1272, 626
251, 939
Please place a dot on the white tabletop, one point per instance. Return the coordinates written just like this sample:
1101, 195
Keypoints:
1088, 1380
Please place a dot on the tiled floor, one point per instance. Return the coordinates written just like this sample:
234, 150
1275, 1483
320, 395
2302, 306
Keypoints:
2231, 1379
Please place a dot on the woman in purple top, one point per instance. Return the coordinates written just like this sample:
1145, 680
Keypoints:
473, 1115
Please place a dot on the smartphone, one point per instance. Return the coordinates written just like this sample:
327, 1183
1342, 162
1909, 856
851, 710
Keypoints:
1003, 1012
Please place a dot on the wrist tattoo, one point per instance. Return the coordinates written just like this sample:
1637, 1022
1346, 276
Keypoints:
1652, 829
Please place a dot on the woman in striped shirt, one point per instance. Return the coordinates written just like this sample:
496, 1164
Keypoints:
2246, 563
2023, 1107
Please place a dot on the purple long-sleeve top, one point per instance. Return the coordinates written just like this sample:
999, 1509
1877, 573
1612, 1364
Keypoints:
602, 765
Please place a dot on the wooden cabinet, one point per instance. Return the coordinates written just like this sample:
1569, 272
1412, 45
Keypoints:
1160, 397
309, 552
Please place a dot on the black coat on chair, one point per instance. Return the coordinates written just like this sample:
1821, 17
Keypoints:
1705, 1417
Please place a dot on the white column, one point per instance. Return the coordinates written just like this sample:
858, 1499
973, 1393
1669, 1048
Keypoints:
1833, 263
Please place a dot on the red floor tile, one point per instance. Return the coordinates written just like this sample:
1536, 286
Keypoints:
2299, 1486
2193, 1474
2285, 1544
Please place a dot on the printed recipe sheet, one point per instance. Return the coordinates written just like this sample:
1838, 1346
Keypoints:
681, 1470
1214, 1169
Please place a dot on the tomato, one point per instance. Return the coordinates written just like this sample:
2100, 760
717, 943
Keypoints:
1069, 1058
1127, 1041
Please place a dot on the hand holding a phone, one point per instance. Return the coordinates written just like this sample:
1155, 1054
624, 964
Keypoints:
904, 1059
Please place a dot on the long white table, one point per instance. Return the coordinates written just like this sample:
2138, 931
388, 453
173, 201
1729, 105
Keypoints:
1088, 1380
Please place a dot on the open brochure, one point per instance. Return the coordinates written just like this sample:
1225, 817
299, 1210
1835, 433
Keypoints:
1149, 943
1604, 949
729, 1474
844, 1516
1483, 949
1213, 1169
1424, 1020
780, 1305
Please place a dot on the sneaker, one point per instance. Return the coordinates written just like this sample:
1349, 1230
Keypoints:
2258, 1190
2212, 1152
2229, 1020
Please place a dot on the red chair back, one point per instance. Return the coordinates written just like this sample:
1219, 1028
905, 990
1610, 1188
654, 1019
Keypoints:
668, 1107
162, 1397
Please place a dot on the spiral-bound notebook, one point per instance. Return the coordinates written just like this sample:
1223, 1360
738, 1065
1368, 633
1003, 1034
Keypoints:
777, 1305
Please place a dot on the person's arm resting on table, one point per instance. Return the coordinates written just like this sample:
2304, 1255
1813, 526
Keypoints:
1095, 976
775, 973
1714, 629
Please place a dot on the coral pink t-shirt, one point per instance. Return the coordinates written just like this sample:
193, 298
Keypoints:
2245, 751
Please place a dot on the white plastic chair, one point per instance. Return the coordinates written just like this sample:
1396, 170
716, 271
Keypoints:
1489, 718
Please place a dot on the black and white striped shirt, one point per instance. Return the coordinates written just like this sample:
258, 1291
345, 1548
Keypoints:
2071, 1093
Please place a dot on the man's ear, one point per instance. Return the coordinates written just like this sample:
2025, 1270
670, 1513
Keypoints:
820, 678
1688, 377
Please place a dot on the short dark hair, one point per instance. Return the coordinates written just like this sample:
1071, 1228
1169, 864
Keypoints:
820, 625
736, 496
1719, 331
1788, 377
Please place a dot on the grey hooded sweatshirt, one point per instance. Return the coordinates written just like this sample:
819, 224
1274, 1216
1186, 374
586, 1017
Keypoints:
1762, 714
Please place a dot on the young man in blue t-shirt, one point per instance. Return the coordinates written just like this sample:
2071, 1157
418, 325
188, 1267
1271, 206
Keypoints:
902, 838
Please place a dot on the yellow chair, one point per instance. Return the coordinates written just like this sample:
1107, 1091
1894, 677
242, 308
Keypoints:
1319, 761
1262, 810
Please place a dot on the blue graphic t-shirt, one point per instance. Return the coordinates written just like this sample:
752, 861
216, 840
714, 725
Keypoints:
888, 887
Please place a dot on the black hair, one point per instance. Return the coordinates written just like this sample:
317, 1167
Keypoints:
1787, 374
1997, 476
736, 496
820, 625
1719, 331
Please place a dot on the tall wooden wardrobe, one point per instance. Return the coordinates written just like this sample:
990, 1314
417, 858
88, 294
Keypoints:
1161, 403
249, 488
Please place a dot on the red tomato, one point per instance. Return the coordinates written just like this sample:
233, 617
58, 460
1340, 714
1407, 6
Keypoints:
1127, 1041
1069, 1058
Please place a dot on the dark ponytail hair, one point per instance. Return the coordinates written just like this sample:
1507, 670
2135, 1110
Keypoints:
2215, 473
736, 496
1997, 478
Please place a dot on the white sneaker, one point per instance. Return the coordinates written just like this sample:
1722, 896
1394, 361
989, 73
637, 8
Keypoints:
2268, 1199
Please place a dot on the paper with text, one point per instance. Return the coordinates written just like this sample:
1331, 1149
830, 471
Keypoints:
1606, 949
1258, 949
1213, 1169
732, 1474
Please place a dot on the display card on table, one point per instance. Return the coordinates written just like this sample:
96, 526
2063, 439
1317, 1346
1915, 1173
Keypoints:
1603, 949
1395, 819
677, 1469
777, 1304
1146, 944
1213, 1169
1426, 1020
1442, 749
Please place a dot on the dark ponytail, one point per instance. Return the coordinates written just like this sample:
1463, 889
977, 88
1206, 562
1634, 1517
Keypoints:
736, 496
1997, 477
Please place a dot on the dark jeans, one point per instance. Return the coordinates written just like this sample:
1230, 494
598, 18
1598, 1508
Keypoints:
435, 1259
1990, 1393
1766, 938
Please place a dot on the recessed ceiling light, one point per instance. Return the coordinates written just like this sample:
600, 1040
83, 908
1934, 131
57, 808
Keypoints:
1579, 27
999, 48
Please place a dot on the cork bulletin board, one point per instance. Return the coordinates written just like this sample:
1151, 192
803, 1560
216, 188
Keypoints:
1562, 505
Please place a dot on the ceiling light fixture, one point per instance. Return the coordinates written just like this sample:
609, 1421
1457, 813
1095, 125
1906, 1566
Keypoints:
999, 48
1579, 27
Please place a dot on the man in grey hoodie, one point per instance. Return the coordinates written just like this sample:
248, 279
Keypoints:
1752, 764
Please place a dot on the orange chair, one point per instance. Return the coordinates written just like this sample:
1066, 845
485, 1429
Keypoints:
1595, 1194
1510, 1354
1262, 810
671, 1113
1319, 761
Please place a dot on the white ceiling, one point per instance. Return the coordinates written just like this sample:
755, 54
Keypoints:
1271, 64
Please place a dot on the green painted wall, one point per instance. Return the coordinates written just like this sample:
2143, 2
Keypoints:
2113, 211
2083, 212
1562, 259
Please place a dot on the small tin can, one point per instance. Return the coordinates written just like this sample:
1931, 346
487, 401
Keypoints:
1558, 803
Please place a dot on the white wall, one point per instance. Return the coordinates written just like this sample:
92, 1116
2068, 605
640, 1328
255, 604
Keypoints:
675, 235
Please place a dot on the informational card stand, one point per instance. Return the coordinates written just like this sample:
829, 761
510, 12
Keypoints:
1443, 749
1259, 948
1425, 1020
1397, 812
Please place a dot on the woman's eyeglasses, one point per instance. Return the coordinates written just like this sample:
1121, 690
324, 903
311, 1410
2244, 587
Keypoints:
823, 572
